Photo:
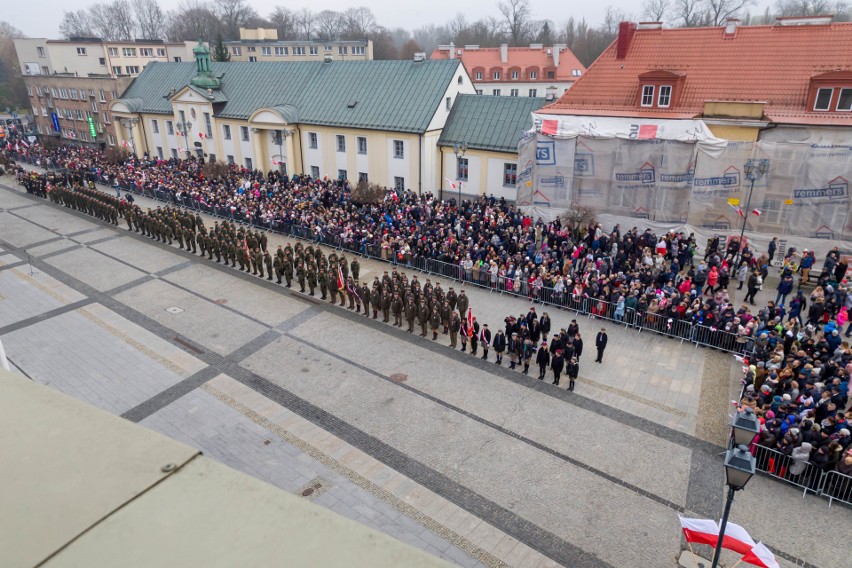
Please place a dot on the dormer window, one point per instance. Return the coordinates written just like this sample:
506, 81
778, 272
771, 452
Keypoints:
823, 99
844, 101
830, 92
665, 97
647, 95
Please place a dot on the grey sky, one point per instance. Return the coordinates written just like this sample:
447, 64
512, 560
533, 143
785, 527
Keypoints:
40, 18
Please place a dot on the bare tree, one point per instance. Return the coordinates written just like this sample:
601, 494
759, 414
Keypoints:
717, 11
689, 13
810, 7
76, 24
192, 20
284, 21
458, 27
328, 25
233, 15
13, 92
516, 15
655, 10
612, 18
358, 23
114, 21
149, 19
305, 23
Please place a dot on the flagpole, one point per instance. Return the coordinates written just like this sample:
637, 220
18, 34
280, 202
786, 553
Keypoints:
737, 564
694, 557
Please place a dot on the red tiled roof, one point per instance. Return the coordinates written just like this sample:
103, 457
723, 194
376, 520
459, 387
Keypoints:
488, 58
773, 64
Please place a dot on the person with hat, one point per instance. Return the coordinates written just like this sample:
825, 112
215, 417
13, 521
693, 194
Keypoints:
573, 371
499, 345
514, 346
557, 363
485, 340
542, 358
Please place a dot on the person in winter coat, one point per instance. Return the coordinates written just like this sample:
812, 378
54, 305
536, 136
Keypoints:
527, 351
800, 455
542, 358
619, 309
499, 346
578, 346
485, 340
557, 363
514, 348
742, 274
544, 324
712, 280
785, 286
573, 371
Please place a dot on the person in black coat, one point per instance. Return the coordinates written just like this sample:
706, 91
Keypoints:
578, 346
600, 344
499, 346
544, 323
573, 371
556, 365
485, 340
543, 360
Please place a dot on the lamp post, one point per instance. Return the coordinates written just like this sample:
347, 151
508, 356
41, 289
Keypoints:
129, 124
754, 170
459, 150
278, 138
739, 467
184, 127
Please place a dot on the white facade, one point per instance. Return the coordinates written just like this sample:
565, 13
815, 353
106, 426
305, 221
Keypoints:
486, 174
523, 88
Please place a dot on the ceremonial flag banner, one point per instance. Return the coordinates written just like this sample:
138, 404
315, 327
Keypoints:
755, 212
470, 322
738, 209
700, 531
451, 182
759, 555
340, 281
737, 539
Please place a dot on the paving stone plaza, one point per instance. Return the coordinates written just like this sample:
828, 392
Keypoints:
474, 463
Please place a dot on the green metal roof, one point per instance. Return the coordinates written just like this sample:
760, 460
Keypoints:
488, 122
379, 95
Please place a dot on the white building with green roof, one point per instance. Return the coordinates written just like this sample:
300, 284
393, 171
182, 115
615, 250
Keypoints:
364, 120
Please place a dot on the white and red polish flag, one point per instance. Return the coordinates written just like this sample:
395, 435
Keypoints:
755, 212
737, 539
700, 531
738, 209
451, 182
759, 555
470, 322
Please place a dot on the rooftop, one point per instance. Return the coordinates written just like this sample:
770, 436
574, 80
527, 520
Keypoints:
489, 122
534, 56
772, 63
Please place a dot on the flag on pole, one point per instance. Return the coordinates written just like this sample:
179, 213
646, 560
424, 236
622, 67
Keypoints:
699, 531
245, 245
470, 322
737, 539
452, 183
759, 555
341, 283
738, 209
755, 212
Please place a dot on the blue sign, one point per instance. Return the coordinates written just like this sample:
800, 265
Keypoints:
836, 189
55, 120
646, 174
545, 153
584, 164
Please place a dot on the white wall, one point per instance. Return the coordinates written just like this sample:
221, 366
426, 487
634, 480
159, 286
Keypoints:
439, 119
524, 87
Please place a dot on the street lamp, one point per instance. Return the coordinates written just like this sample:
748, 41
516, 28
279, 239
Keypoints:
754, 170
184, 127
129, 124
459, 150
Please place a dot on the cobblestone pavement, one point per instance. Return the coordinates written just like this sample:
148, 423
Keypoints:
472, 462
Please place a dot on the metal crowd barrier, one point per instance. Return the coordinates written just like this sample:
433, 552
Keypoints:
778, 465
837, 487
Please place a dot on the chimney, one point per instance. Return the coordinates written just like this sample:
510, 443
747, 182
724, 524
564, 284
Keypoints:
804, 20
557, 48
731, 26
452, 50
550, 93
419, 57
504, 53
625, 36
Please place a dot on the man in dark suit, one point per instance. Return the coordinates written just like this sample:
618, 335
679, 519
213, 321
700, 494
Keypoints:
600, 344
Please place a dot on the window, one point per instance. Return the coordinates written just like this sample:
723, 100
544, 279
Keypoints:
496, 76
211, 158
533, 74
132, 69
208, 125
248, 164
647, 95
342, 50
514, 74
844, 101
230, 159
111, 139
479, 75
128, 51
113, 94
146, 52
281, 51
315, 172
45, 70
79, 114
341, 174
312, 140
533, 93
823, 99
251, 49
398, 149
244, 133
478, 91
95, 108
40, 51
576, 72
449, 102
551, 74
155, 126
116, 70
81, 51
341, 143
236, 50
226, 131
301, 50
665, 97
462, 169
102, 61
53, 92
105, 116
170, 128
73, 93
252, 59
113, 51
59, 113
358, 50
362, 177
460, 80
314, 50
176, 59
328, 48
174, 153
161, 52
362, 145
510, 174
495, 92
266, 50
160, 152
513, 92
399, 183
